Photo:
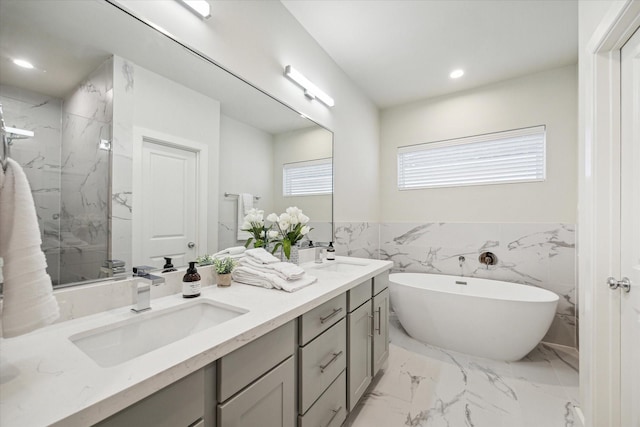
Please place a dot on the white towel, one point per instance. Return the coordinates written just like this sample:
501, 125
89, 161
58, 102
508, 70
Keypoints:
286, 270
262, 256
234, 250
28, 295
250, 276
245, 204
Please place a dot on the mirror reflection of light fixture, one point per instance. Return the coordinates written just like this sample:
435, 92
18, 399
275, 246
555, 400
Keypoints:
311, 91
201, 7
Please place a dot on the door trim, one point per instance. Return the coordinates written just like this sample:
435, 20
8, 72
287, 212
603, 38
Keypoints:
141, 134
599, 215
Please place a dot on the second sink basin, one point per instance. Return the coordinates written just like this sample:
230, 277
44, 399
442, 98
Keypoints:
113, 344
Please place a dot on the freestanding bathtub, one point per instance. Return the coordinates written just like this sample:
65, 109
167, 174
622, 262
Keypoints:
479, 317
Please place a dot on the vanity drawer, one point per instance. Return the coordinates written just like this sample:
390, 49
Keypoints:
359, 295
320, 362
331, 409
321, 318
380, 282
239, 368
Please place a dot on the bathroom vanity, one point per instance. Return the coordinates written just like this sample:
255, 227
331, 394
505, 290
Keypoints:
282, 359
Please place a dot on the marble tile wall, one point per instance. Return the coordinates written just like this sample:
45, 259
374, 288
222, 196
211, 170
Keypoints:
87, 118
40, 158
541, 255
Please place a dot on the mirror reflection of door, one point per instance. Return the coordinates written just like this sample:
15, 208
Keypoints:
166, 215
630, 230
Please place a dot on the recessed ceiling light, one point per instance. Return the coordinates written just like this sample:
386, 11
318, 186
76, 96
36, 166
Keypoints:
22, 63
455, 74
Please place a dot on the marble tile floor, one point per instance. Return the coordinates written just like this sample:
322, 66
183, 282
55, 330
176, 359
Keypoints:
427, 386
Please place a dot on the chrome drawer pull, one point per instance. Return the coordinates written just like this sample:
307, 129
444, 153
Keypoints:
379, 320
335, 311
333, 359
335, 412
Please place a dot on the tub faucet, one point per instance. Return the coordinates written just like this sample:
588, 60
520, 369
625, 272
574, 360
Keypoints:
142, 290
488, 258
461, 260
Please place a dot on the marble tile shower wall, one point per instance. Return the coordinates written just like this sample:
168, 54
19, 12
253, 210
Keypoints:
87, 119
541, 255
40, 159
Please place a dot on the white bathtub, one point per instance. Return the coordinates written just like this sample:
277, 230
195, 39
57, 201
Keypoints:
486, 318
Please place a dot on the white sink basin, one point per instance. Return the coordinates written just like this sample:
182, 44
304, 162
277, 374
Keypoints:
341, 266
119, 342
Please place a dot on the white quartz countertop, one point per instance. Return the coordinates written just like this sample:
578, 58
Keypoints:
46, 380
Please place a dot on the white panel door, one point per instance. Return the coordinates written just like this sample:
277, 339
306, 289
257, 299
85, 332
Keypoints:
630, 231
168, 204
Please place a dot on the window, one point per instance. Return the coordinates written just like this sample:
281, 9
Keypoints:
308, 178
496, 158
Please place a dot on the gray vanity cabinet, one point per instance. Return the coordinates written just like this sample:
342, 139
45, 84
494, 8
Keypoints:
256, 383
380, 330
359, 374
322, 360
181, 404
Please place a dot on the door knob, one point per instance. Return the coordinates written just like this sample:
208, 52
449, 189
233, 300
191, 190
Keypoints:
614, 284
191, 245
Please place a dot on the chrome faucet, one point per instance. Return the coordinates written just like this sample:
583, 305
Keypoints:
320, 249
142, 290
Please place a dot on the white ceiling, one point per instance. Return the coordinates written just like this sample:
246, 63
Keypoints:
400, 51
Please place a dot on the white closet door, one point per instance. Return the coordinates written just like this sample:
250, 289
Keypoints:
630, 231
169, 206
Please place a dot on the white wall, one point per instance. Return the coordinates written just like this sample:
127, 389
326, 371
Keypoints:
256, 39
247, 167
548, 98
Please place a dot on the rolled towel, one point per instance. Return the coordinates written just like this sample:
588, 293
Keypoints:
261, 255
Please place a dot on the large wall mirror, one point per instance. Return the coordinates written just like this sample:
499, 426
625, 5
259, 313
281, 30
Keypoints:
141, 147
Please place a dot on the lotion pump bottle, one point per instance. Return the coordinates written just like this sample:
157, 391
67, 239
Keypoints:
191, 282
331, 252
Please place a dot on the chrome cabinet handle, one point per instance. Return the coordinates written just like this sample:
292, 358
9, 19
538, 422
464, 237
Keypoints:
335, 412
379, 329
335, 311
333, 359
614, 284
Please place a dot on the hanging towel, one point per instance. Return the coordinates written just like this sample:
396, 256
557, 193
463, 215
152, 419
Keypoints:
28, 294
245, 204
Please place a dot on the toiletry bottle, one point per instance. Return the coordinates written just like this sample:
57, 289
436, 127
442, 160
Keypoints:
167, 265
191, 282
331, 252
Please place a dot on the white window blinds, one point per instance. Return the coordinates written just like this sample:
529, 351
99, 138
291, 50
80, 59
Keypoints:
307, 178
502, 157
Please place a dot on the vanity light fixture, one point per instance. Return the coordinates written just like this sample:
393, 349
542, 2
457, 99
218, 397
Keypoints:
24, 64
311, 91
201, 7
456, 74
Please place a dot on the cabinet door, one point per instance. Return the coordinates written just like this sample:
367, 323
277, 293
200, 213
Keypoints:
359, 367
380, 330
268, 402
180, 404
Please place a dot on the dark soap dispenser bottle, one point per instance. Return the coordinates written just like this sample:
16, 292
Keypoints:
168, 267
191, 282
331, 252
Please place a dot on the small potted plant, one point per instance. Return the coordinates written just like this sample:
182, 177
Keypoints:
224, 267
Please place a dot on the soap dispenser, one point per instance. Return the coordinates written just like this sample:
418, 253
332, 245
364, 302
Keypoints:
168, 267
191, 282
331, 252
